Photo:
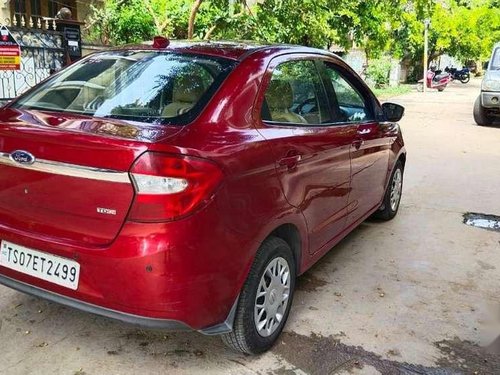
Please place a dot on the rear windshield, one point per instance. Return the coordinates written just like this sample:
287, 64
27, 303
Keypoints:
495, 60
146, 86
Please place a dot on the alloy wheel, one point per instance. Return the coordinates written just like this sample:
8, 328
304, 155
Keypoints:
272, 297
396, 187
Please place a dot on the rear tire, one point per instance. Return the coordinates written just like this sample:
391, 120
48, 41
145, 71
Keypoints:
255, 330
465, 78
480, 116
392, 198
440, 89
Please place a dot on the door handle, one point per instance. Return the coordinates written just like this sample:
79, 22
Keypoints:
357, 143
290, 162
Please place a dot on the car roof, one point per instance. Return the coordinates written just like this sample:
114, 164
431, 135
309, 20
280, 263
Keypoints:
235, 50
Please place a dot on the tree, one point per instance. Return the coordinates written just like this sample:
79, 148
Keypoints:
466, 30
462, 28
118, 22
305, 22
192, 17
130, 21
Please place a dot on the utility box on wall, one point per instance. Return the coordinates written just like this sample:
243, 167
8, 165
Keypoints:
71, 31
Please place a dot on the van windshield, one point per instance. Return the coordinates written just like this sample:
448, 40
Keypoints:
146, 86
495, 60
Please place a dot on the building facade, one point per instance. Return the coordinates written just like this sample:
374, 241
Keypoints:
13, 11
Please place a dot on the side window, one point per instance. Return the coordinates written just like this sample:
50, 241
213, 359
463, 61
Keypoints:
351, 106
296, 95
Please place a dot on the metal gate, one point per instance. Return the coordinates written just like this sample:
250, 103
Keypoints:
42, 53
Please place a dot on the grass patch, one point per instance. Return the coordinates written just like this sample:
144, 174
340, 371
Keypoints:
388, 92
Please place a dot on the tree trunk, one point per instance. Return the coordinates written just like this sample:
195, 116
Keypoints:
209, 32
156, 20
192, 17
434, 54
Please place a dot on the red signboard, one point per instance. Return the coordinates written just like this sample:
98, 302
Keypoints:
10, 52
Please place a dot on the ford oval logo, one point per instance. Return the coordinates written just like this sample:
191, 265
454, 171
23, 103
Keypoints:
22, 157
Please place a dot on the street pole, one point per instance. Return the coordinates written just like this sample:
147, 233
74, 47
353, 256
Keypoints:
427, 22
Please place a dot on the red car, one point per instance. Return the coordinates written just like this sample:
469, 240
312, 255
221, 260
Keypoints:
187, 185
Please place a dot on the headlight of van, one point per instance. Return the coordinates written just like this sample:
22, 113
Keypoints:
490, 85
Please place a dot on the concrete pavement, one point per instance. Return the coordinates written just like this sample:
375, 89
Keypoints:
419, 294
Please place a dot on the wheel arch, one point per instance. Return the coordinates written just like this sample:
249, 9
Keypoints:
288, 232
291, 235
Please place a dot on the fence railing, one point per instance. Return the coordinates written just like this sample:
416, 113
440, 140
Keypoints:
32, 22
42, 53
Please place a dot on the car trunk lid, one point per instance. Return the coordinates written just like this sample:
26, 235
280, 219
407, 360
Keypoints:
66, 177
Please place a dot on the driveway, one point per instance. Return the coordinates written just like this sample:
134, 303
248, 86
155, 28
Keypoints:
417, 295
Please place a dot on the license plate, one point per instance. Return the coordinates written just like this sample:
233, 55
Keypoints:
44, 266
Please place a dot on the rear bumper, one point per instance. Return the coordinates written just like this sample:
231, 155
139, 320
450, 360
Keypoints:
178, 275
94, 309
163, 324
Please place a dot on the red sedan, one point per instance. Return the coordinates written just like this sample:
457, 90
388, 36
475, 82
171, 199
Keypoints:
186, 186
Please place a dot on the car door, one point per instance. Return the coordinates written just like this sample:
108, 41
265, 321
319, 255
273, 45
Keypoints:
370, 149
312, 153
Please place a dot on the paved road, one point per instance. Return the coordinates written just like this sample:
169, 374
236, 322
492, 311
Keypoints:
417, 295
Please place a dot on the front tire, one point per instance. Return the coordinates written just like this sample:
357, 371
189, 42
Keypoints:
390, 206
480, 117
265, 299
420, 87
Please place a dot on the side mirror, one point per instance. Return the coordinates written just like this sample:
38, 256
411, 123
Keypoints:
393, 112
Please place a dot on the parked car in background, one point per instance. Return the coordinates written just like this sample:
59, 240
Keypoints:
186, 185
487, 105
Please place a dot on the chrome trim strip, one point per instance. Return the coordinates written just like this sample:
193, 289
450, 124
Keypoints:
71, 170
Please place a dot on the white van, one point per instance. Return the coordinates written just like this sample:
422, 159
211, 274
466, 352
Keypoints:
487, 105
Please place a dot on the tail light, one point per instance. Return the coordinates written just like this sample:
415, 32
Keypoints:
169, 186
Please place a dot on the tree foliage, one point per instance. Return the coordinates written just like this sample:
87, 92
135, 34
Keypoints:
463, 29
466, 29
378, 71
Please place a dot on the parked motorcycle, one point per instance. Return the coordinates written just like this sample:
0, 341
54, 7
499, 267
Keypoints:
463, 75
436, 79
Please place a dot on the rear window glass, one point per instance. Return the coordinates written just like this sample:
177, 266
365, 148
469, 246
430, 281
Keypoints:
144, 86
